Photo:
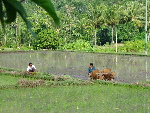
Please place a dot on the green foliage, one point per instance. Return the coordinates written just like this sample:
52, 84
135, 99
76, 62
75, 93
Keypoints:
96, 20
79, 45
5, 48
24, 48
132, 46
128, 46
48, 39
48, 6
13, 7
11, 11
105, 48
148, 46
130, 31
104, 36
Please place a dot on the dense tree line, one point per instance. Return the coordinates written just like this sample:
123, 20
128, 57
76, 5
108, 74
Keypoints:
95, 21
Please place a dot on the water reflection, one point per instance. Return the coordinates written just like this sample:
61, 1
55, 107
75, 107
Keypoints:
146, 69
128, 68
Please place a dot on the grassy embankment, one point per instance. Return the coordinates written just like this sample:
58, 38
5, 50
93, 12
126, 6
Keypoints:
65, 94
122, 49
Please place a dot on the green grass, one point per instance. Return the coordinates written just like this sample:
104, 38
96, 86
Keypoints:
8, 80
72, 96
110, 52
75, 99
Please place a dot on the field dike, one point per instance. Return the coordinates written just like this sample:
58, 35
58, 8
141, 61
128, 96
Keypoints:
23, 79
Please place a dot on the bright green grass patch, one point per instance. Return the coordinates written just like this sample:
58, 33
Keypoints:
8, 80
75, 99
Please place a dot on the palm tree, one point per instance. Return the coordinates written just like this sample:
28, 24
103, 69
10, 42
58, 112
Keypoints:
136, 12
112, 16
95, 14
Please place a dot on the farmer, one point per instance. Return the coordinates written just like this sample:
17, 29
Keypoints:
31, 68
91, 68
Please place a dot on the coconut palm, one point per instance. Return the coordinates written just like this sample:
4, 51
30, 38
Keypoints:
136, 12
113, 15
95, 14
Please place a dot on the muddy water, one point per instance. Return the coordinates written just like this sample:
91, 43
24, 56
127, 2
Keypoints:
128, 68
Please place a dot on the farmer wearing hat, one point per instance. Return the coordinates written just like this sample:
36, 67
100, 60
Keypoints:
91, 68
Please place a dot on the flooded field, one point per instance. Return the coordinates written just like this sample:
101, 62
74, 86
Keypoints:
128, 68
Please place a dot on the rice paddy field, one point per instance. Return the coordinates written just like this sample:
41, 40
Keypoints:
128, 68
71, 96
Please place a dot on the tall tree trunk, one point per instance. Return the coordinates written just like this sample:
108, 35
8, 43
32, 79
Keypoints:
95, 38
16, 34
148, 37
112, 38
116, 41
5, 39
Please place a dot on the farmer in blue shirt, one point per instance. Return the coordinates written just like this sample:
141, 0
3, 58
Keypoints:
91, 68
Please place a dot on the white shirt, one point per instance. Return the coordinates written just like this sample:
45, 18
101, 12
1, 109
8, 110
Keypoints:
30, 68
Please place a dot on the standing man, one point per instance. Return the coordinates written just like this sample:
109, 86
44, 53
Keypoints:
91, 68
31, 68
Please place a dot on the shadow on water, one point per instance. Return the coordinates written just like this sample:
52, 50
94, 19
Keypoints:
128, 68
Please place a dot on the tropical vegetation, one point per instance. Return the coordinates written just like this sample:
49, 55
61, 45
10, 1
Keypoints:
97, 23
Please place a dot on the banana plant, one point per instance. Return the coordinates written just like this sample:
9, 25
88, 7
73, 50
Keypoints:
13, 7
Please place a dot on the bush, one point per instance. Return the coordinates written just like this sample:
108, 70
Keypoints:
132, 46
105, 48
24, 48
79, 45
48, 39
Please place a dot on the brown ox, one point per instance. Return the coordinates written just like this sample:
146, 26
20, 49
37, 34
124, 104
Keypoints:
108, 74
96, 74
105, 74
106, 71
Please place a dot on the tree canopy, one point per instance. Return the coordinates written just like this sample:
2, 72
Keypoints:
10, 8
93, 21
